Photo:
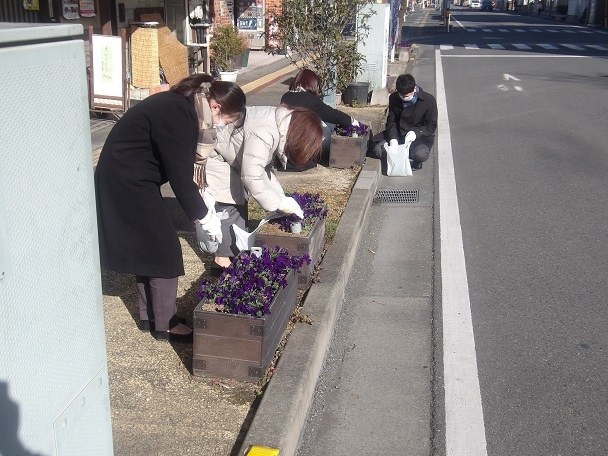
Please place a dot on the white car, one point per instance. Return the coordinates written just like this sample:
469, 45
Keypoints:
475, 4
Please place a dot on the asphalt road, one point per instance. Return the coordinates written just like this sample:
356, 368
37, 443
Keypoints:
528, 138
525, 98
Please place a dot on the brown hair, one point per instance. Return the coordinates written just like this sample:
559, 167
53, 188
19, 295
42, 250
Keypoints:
308, 80
228, 94
304, 136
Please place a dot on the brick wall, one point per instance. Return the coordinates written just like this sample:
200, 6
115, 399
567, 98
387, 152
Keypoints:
222, 16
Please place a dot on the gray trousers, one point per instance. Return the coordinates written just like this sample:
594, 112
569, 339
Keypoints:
157, 300
238, 215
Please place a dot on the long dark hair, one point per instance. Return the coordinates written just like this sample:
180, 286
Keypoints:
228, 94
304, 136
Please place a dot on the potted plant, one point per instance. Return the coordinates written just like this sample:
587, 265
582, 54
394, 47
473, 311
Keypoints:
350, 66
226, 43
241, 317
323, 37
305, 236
348, 146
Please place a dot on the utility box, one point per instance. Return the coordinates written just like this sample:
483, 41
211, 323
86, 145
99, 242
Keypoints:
376, 46
54, 395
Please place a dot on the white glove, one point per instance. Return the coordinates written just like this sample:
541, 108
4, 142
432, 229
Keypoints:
288, 205
355, 123
410, 137
212, 226
209, 199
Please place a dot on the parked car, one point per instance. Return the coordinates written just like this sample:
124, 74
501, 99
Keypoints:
475, 4
487, 5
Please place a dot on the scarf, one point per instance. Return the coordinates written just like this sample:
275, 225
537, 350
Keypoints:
207, 136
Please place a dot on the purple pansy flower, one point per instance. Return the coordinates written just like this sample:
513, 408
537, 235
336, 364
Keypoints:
250, 283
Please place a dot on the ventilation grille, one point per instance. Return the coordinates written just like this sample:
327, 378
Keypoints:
397, 196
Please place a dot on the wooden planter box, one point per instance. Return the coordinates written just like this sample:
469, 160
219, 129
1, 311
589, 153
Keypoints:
345, 152
311, 244
239, 346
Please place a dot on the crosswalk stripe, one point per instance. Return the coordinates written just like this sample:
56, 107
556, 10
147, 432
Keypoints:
535, 30
572, 46
521, 46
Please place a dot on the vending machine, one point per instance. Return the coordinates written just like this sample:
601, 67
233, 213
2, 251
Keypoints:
250, 22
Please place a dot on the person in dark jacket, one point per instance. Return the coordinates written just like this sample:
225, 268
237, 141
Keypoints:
412, 117
305, 92
153, 143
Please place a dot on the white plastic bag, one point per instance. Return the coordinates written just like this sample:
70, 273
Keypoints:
398, 164
245, 240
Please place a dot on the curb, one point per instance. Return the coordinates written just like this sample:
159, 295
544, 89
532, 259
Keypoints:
283, 410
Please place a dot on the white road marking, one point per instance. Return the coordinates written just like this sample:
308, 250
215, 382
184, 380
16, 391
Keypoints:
508, 76
487, 30
518, 56
522, 46
465, 428
547, 46
471, 46
598, 47
519, 30
503, 30
446, 47
573, 46
496, 46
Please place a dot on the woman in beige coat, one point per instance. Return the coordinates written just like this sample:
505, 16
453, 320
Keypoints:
241, 165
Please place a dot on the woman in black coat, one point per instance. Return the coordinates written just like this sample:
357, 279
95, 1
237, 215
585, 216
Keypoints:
305, 92
153, 143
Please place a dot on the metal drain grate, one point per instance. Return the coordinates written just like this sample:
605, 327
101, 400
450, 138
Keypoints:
397, 196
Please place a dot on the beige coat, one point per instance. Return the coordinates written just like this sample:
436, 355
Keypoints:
249, 153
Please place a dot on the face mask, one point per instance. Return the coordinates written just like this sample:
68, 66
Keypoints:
410, 100
221, 125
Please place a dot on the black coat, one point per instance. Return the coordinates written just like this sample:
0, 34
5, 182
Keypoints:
317, 105
421, 118
153, 143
